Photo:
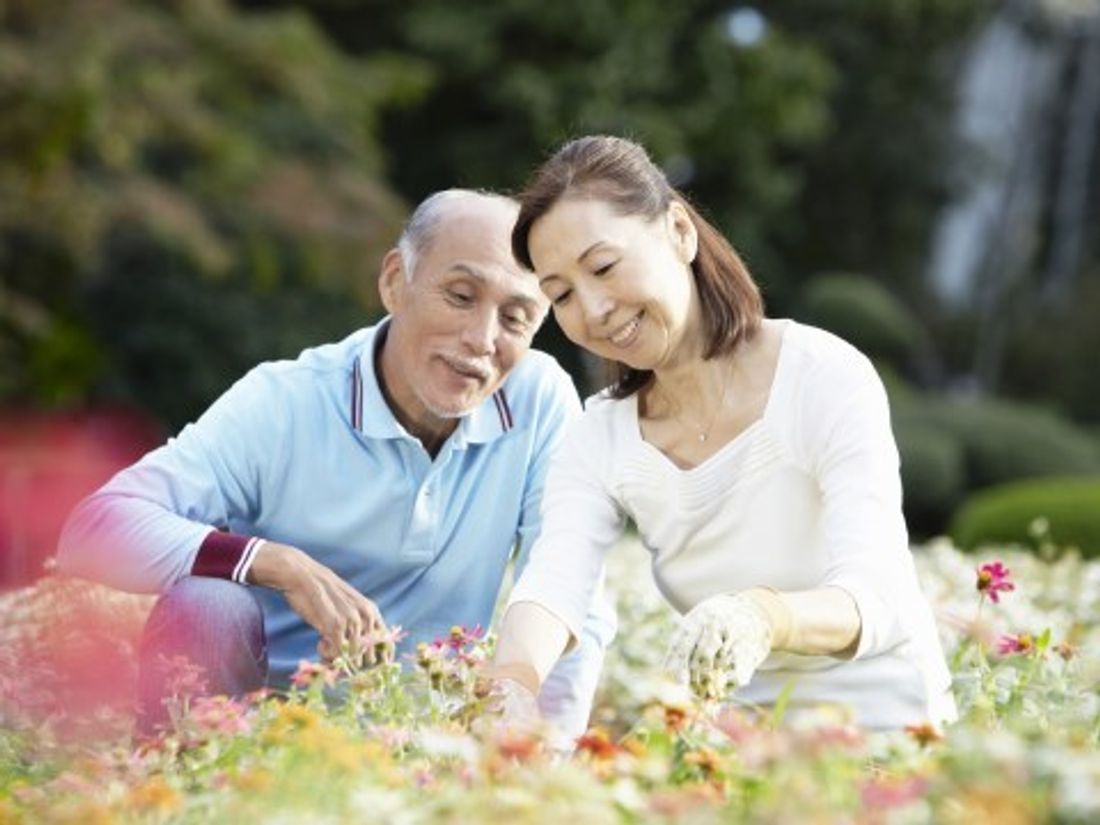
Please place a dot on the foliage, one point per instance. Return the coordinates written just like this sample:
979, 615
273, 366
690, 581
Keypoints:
1069, 507
181, 185
817, 144
867, 315
933, 476
420, 745
1004, 441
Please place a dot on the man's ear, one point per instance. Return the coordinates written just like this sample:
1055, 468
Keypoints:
685, 237
392, 280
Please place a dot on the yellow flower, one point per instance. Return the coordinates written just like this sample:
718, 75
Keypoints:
156, 795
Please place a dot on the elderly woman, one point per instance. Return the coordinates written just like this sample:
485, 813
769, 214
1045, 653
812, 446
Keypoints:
754, 455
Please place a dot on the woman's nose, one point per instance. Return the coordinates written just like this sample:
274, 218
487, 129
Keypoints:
596, 305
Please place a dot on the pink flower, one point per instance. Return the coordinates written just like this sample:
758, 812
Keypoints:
308, 672
220, 714
993, 579
381, 645
892, 791
1019, 643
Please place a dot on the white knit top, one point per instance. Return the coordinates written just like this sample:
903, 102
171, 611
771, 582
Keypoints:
807, 496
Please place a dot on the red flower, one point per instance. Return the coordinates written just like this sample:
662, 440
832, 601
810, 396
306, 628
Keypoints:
598, 744
1020, 643
993, 579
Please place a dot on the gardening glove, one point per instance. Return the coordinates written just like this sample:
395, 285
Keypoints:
512, 699
721, 640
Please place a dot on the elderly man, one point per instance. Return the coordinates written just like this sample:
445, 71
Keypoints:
384, 479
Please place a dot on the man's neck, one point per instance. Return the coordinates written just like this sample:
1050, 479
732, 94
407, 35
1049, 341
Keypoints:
432, 432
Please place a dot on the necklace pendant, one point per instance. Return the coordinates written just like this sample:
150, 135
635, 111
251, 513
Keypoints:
702, 437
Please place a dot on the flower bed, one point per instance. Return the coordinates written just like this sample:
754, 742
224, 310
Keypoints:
417, 745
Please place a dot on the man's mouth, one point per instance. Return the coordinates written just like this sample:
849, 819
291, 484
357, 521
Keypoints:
467, 369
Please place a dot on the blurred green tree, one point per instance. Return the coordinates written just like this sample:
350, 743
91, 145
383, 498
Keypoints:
185, 189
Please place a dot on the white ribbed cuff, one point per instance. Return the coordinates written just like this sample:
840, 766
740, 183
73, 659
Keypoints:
240, 572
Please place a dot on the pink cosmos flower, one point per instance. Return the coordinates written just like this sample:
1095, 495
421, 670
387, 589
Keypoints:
994, 579
220, 714
309, 671
1019, 643
892, 792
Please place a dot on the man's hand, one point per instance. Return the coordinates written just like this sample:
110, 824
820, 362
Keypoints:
721, 637
339, 612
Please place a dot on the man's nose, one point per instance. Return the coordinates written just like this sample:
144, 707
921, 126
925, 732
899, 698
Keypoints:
479, 335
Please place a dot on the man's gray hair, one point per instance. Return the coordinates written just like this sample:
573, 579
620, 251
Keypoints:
423, 226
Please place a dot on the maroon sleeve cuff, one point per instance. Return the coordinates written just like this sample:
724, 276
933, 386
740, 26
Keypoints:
225, 556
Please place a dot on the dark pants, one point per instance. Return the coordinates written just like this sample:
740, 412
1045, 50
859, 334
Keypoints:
216, 625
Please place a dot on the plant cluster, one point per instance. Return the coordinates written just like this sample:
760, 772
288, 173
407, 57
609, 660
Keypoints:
418, 742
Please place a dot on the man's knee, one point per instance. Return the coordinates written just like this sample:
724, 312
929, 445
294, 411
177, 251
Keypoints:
200, 599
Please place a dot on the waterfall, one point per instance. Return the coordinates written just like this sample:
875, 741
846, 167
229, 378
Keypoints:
1016, 228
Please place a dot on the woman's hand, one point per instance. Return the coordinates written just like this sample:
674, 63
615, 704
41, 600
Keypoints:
721, 637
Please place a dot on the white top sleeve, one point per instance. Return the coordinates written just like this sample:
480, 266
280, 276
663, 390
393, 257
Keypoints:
850, 451
581, 522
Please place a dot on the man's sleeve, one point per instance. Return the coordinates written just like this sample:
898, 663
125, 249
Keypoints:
157, 520
566, 696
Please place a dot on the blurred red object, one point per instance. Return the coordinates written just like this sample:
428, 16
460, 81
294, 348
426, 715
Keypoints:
48, 462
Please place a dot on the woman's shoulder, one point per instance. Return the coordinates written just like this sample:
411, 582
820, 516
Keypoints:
824, 360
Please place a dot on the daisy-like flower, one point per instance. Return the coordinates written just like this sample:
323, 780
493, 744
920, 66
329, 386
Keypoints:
597, 744
1010, 644
381, 645
993, 579
924, 734
308, 672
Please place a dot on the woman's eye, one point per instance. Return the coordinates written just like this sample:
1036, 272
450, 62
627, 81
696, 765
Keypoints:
562, 298
603, 270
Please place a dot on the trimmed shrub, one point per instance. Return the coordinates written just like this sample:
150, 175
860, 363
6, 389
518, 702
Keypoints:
933, 476
1005, 441
1071, 506
866, 314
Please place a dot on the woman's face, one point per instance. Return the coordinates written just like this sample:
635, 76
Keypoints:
620, 286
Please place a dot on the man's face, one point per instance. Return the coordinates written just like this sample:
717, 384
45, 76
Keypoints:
464, 318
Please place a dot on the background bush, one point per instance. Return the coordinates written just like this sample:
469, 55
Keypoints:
1071, 506
933, 475
866, 314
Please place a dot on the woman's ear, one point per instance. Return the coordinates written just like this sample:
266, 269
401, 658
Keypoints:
682, 230
392, 280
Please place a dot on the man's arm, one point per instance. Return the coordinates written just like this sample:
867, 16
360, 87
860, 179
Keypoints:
157, 521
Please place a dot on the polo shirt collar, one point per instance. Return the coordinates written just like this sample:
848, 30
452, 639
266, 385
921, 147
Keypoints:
372, 416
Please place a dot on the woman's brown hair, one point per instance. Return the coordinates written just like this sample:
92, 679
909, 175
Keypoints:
620, 173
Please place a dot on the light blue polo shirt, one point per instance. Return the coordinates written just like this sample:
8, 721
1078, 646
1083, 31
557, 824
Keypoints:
308, 453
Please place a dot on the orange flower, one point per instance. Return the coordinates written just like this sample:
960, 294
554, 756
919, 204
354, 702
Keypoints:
924, 734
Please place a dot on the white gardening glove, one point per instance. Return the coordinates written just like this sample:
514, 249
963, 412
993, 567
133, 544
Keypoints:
722, 639
511, 702
516, 706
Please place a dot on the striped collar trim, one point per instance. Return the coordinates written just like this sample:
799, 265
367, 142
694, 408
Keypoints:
370, 415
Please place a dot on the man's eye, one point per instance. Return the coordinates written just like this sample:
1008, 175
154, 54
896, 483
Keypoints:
516, 322
459, 298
